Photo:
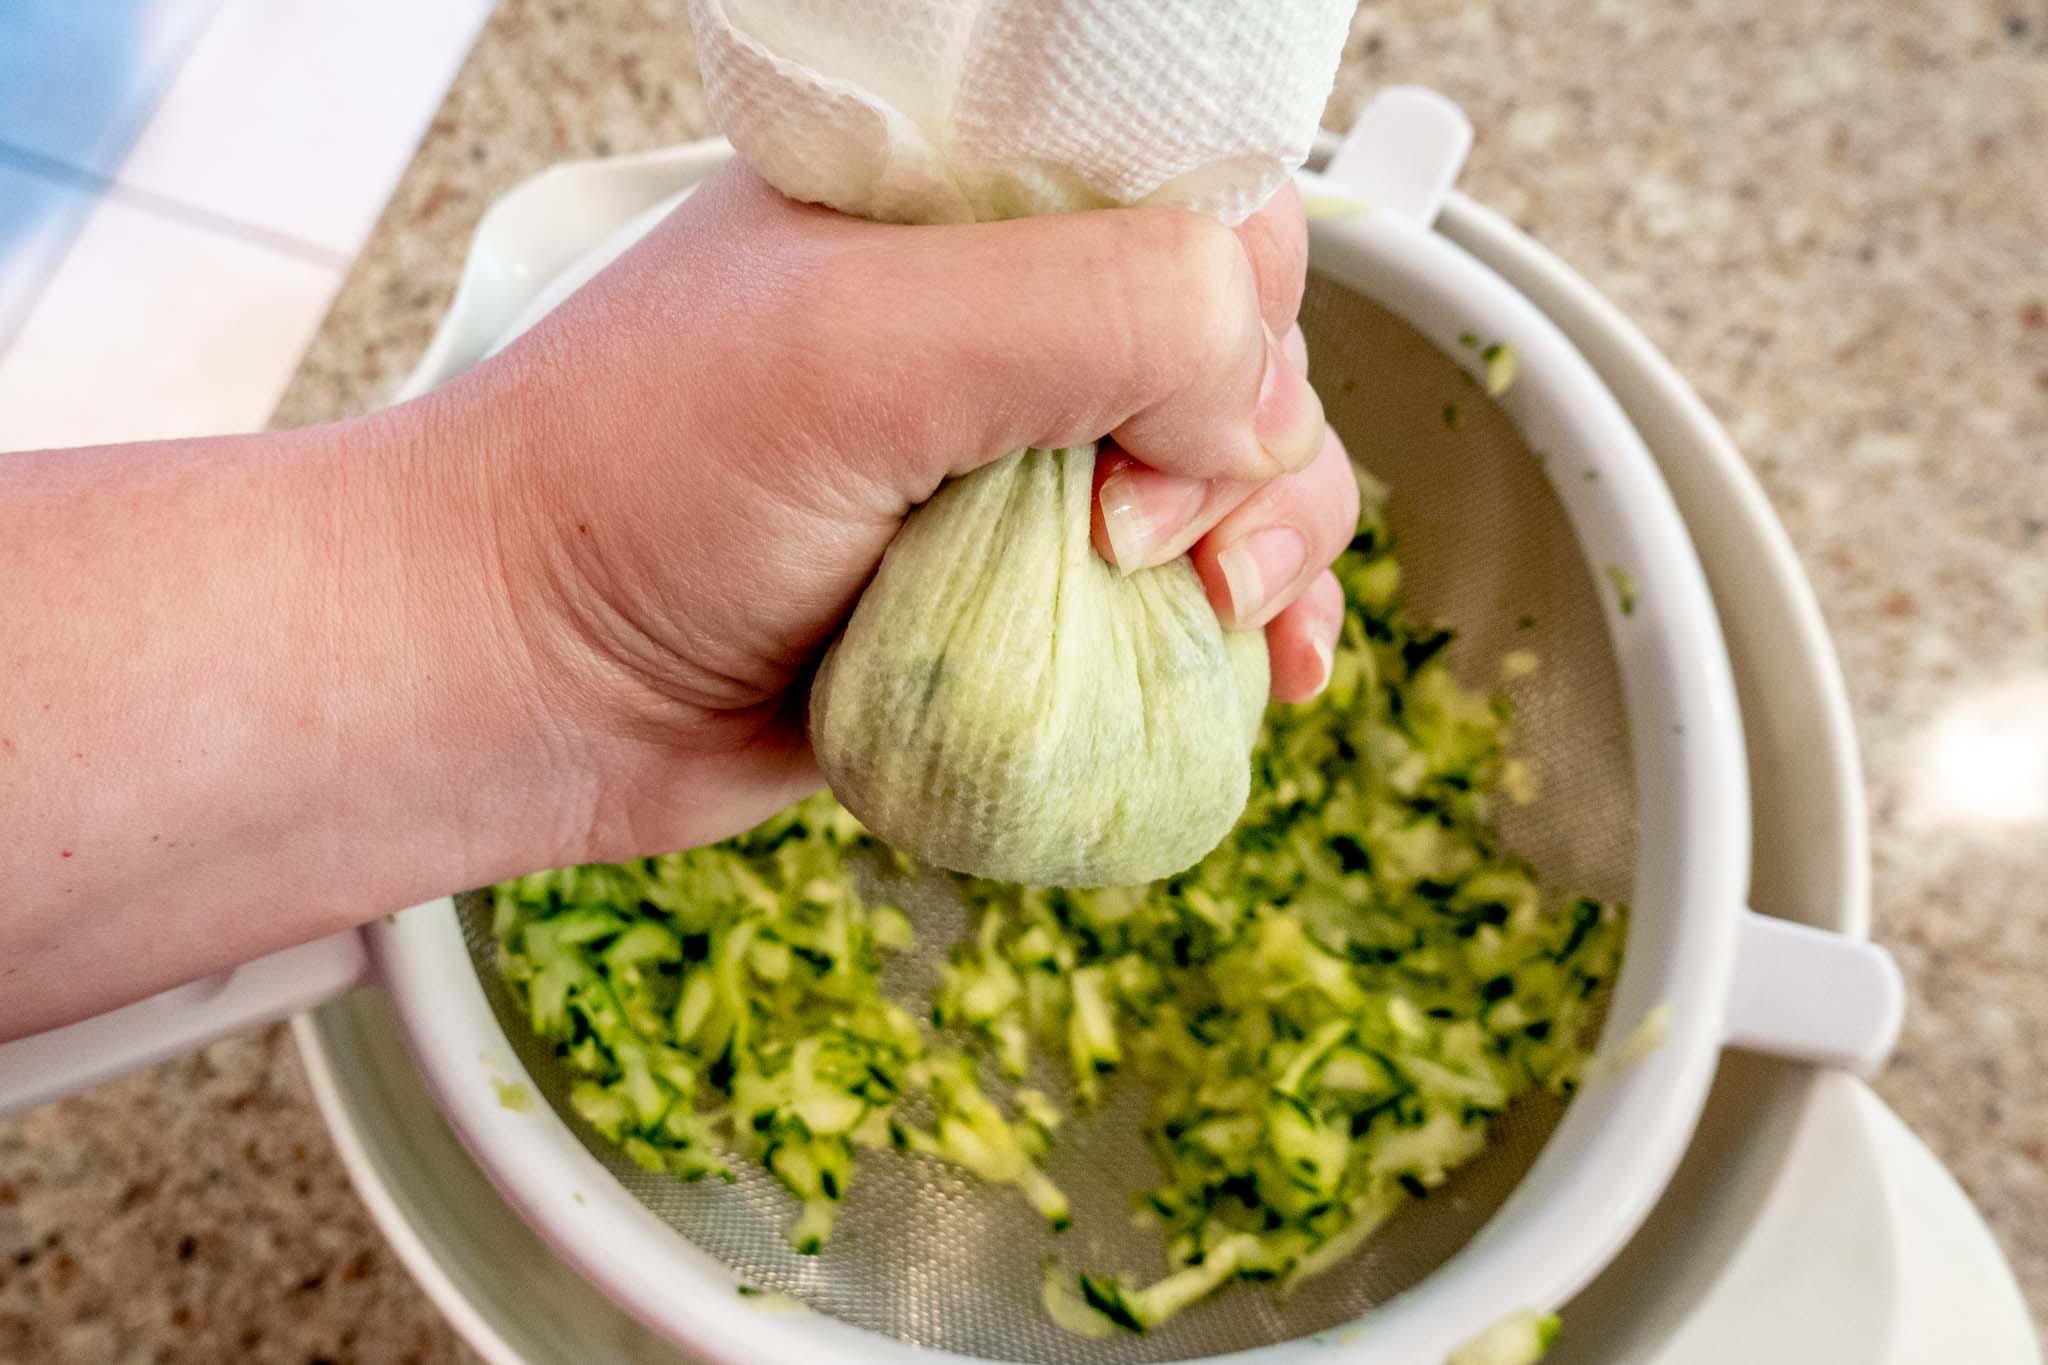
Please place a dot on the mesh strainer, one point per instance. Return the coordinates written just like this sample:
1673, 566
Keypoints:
1518, 513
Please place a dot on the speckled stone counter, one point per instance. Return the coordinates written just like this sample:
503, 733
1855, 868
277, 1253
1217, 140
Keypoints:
1833, 216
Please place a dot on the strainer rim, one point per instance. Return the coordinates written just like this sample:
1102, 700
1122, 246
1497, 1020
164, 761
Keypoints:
465, 1088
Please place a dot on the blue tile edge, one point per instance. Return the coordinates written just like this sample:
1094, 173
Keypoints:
41, 215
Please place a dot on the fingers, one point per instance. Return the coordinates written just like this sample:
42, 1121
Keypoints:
1295, 346
1145, 516
1288, 415
1203, 429
1301, 641
1263, 563
1261, 556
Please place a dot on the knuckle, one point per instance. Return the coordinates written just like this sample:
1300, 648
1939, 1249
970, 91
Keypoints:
1276, 240
1187, 292
1215, 274
1217, 302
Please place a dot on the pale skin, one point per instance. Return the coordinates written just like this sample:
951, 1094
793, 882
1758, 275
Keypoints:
256, 689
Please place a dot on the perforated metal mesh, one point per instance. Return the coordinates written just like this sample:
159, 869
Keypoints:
934, 1259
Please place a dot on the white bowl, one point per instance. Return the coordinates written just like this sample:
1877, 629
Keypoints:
513, 1301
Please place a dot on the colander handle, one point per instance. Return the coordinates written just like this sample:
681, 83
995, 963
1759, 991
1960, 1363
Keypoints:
1813, 995
1403, 154
44, 1066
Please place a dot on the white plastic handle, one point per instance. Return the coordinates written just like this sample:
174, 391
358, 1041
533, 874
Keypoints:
1813, 995
45, 1065
1404, 153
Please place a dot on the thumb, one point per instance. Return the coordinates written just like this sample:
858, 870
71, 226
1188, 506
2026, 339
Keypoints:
940, 348
1141, 324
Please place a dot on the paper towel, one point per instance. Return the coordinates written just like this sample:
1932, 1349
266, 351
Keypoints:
946, 111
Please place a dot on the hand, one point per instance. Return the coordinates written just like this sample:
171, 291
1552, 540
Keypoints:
255, 689
703, 454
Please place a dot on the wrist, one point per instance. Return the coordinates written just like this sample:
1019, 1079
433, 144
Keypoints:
434, 597
656, 733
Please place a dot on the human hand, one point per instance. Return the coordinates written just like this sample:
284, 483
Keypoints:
563, 608
695, 464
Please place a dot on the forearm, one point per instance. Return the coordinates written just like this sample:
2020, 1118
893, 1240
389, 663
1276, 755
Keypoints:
251, 690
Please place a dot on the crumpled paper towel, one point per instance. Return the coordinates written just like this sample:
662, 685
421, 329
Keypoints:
948, 111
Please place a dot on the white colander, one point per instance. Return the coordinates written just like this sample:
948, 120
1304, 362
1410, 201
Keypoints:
1520, 509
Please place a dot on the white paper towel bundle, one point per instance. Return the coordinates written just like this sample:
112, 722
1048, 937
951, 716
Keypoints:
948, 111
1002, 702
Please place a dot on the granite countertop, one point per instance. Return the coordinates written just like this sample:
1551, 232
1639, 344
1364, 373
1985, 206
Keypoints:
1829, 213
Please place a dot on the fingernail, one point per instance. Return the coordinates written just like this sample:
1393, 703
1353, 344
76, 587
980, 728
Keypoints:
1324, 642
1258, 567
1295, 347
1143, 510
1288, 420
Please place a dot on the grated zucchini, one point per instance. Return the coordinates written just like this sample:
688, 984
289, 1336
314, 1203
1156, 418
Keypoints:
1328, 1011
727, 1001
1520, 1338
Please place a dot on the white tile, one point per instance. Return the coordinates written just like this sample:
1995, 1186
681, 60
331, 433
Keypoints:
154, 326
297, 116
78, 78
38, 216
